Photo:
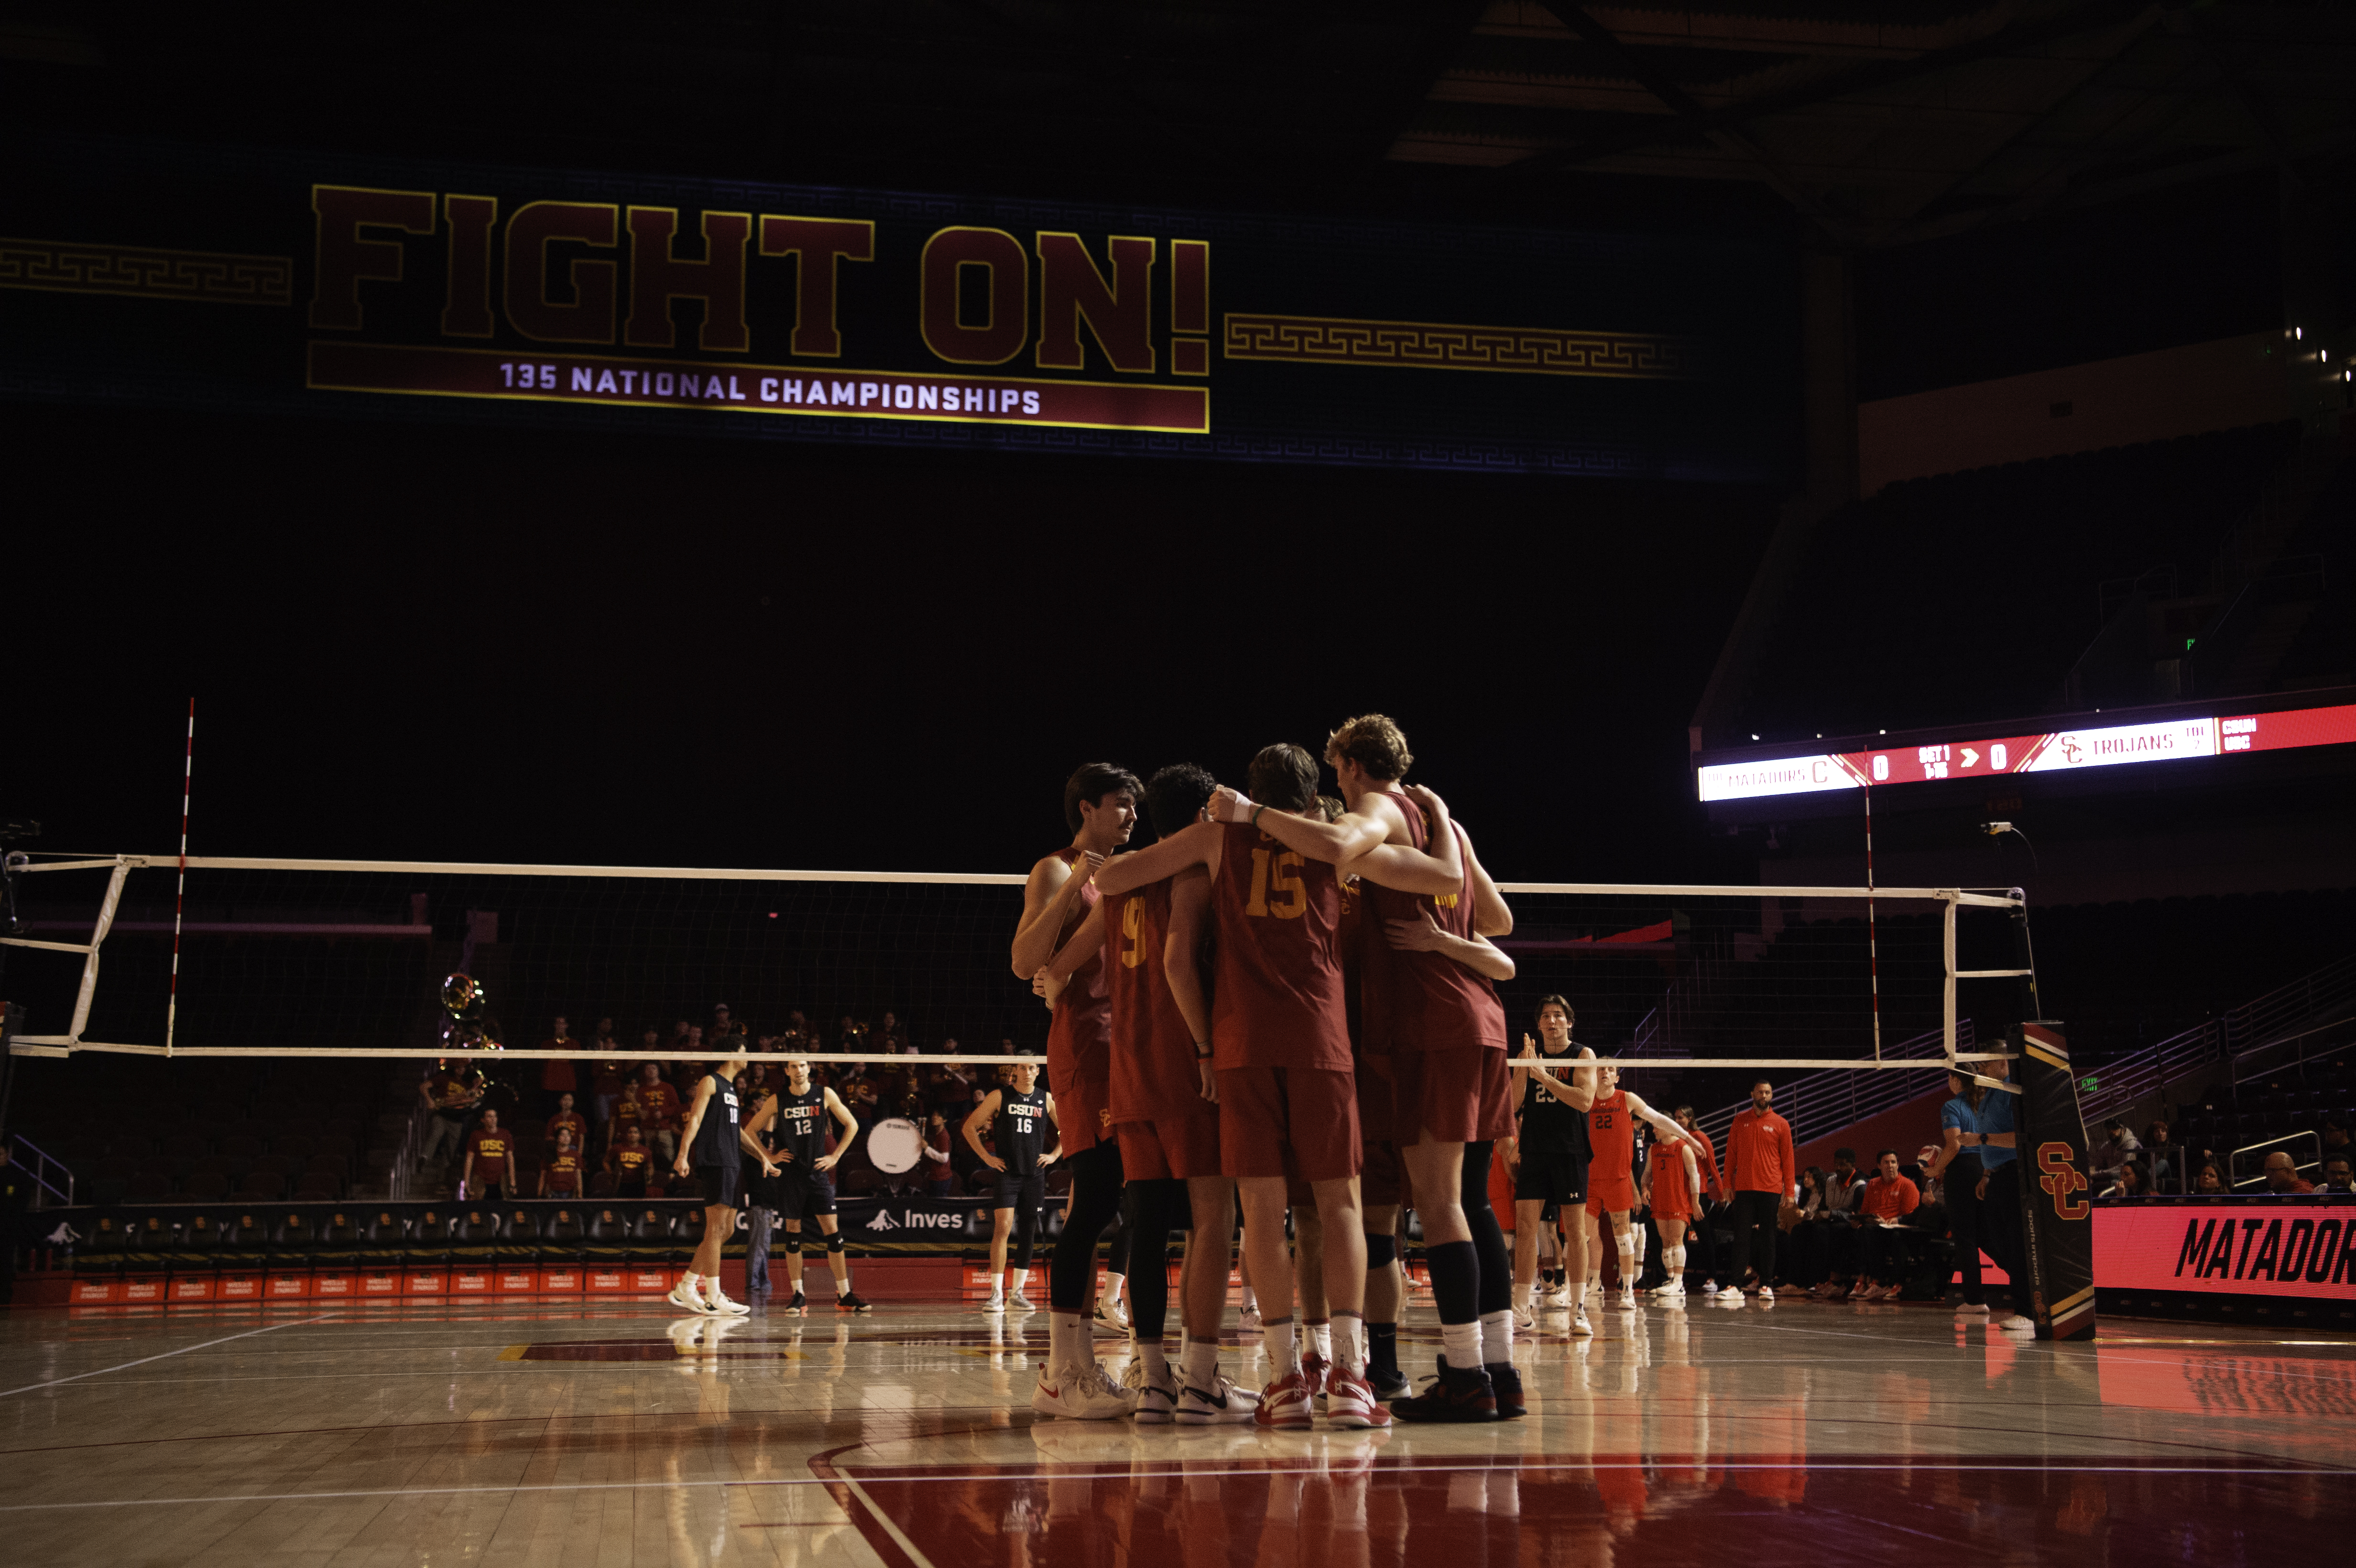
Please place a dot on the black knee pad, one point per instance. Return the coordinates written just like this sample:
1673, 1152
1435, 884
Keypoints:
1381, 1252
834, 1243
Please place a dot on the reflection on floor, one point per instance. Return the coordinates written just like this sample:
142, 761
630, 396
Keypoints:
619, 1434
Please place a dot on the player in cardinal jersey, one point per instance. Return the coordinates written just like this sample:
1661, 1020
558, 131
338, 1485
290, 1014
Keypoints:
1100, 805
1612, 1180
1431, 1006
1280, 1047
1017, 1115
1165, 1102
1673, 1179
805, 1181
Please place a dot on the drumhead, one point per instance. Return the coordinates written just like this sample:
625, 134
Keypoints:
895, 1144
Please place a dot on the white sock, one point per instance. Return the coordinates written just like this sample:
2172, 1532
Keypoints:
1350, 1344
1202, 1363
1250, 1300
1063, 1341
689, 1279
1016, 1278
1156, 1359
998, 1287
1526, 1296
842, 1285
1321, 1337
1113, 1282
1461, 1343
1496, 1337
1283, 1352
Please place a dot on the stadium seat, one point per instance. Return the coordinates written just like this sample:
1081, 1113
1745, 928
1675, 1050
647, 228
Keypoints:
335, 1240
560, 1237
518, 1236
317, 1186
687, 1231
187, 1146
280, 1164
601, 1184
240, 1149
267, 1185
650, 1237
429, 1238
293, 1147
146, 1187
245, 1240
292, 1240
205, 1186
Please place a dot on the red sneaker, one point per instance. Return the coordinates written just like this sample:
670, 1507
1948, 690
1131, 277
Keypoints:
1315, 1371
1350, 1401
1284, 1405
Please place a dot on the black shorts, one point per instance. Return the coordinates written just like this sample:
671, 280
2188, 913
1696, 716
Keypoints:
763, 1192
722, 1184
1549, 1176
804, 1194
1020, 1190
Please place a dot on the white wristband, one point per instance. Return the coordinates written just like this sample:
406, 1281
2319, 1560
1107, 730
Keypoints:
1241, 810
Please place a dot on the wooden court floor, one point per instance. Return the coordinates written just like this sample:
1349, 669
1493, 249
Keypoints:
614, 1434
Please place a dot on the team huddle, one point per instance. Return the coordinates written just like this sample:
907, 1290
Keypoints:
1287, 1002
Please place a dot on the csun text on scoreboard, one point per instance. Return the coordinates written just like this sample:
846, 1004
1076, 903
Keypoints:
2063, 750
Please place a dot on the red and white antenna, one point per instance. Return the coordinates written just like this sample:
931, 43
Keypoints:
180, 897
1872, 945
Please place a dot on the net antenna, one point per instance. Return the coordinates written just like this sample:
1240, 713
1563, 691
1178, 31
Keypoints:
1872, 933
180, 893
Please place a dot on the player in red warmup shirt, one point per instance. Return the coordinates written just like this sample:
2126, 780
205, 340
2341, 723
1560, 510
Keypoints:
1612, 1179
1280, 1045
1100, 805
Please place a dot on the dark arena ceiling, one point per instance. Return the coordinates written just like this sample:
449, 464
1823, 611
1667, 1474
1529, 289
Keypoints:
1877, 121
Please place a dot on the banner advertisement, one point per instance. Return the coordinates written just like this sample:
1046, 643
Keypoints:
2055, 1187
2301, 1247
214, 278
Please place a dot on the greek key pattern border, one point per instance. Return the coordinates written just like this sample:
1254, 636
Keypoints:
71, 267
1438, 346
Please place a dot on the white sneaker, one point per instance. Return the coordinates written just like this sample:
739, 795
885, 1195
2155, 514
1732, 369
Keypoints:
1731, 1292
1111, 1311
2016, 1324
1669, 1288
1220, 1403
1627, 1298
1155, 1403
994, 1305
1766, 1293
1019, 1302
1557, 1294
1675, 1299
1249, 1317
1079, 1394
688, 1299
1579, 1323
1525, 1318
1971, 1309
719, 1305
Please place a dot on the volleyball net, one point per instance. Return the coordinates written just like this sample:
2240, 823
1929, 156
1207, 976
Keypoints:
356, 959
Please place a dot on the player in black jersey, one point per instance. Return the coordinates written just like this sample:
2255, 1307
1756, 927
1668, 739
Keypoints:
1550, 1157
714, 1143
805, 1183
1017, 1114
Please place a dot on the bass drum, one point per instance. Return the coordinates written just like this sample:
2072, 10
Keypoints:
895, 1146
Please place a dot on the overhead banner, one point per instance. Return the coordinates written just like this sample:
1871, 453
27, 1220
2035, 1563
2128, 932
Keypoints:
2057, 751
203, 277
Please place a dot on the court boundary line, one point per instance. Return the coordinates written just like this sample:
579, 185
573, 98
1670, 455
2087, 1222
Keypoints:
165, 1355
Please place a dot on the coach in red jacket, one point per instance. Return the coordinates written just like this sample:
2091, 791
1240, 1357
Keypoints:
1766, 1175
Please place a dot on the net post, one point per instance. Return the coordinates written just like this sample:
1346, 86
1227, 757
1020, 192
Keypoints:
180, 893
2056, 1182
1948, 982
1872, 937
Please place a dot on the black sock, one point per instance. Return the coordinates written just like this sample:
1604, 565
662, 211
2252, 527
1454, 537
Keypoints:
1382, 1348
1455, 1280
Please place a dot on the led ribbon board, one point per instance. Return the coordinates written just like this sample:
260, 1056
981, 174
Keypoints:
2062, 751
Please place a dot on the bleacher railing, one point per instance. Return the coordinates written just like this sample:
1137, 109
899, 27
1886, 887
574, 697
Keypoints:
46, 1174
2256, 1026
1818, 1103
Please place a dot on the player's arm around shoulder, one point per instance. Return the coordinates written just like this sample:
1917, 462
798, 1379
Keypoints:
1193, 845
1392, 861
1047, 895
1492, 915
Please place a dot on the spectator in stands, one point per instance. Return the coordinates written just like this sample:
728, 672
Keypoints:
1889, 1199
489, 1175
796, 1037
1764, 1175
2133, 1181
2160, 1158
940, 1172
2118, 1147
2211, 1180
556, 1072
655, 1107
2336, 1168
1803, 1244
851, 1035
566, 1120
2335, 1138
629, 1162
891, 1037
724, 1026
2283, 1179
451, 1093
560, 1175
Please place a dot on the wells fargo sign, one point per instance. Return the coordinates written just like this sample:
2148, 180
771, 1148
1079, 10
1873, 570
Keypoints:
860, 315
